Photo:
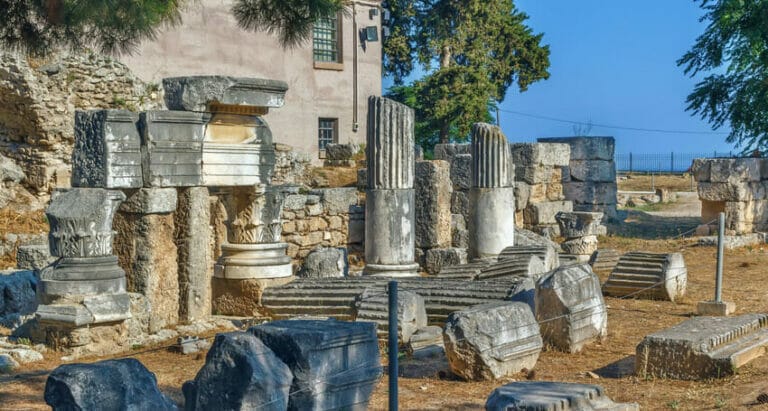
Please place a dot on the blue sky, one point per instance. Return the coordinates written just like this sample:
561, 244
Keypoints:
613, 63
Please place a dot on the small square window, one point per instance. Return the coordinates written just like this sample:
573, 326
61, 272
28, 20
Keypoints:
328, 132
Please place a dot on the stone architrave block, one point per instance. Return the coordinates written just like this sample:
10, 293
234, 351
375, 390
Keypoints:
570, 308
240, 373
648, 275
198, 93
325, 263
335, 364
598, 171
702, 347
590, 193
107, 152
151, 201
491, 341
544, 213
701, 169
449, 151
586, 148
545, 154
438, 258
105, 385
551, 395
337, 200
373, 306
727, 170
433, 204
173, 141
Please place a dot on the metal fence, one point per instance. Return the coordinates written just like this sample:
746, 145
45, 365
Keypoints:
671, 162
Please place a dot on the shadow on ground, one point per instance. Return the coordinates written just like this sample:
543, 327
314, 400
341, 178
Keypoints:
640, 224
618, 369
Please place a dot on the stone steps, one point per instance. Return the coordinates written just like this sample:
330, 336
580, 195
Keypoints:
546, 254
468, 271
441, 296
648, 275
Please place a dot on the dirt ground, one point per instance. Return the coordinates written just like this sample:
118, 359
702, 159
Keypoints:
644, 182
611, 360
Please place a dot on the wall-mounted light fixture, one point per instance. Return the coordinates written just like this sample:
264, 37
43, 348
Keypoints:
373, 13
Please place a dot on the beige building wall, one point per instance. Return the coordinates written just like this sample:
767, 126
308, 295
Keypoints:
209, 42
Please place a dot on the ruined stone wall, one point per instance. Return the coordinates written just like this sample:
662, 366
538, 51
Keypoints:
38, 99
291, 166
330, 217
736, 186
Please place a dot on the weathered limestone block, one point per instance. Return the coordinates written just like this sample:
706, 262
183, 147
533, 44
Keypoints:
337, 200
335, 364
33, 257
491, 341
210, 93
433, 204
461, 172
545, 154
579, 224
702, 347
373, 306
522, 195
17, 296
598, 171
544, 213
570, 308
390, 231
242, 297
145, 248
174, 145
580, 246
240, 373
438, 258
459, 232
325, 263
448, 151
341, 152
534, 174
107, 151
586, 148
10, 172
105, 385
527, 266
726, 170
192, 235
529, 238
549, 395
648, 275
150, 201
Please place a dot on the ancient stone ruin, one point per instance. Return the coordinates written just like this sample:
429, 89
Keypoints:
648, 275
546, 395
735, 186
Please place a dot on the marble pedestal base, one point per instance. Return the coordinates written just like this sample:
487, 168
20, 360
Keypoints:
248, 261
390, 270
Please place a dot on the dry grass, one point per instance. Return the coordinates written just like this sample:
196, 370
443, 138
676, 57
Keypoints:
19, 223
642, 182
612, 359
336, 176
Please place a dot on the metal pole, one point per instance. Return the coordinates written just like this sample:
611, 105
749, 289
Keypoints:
393, 345
672, 162
720, 247
630, 162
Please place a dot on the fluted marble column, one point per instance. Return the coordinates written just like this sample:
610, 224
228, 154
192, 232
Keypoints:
390, 233
491, 198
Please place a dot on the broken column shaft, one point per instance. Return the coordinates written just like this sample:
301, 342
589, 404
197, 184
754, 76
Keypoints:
390, 233
491, 199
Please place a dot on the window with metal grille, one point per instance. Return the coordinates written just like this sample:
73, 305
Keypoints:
325, 39
326, 132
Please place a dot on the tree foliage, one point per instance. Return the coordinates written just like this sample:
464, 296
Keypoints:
479, 47
733, 53
118, 26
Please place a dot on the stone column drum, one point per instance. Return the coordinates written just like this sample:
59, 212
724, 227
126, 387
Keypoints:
85, 285
390, 233
491, 198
